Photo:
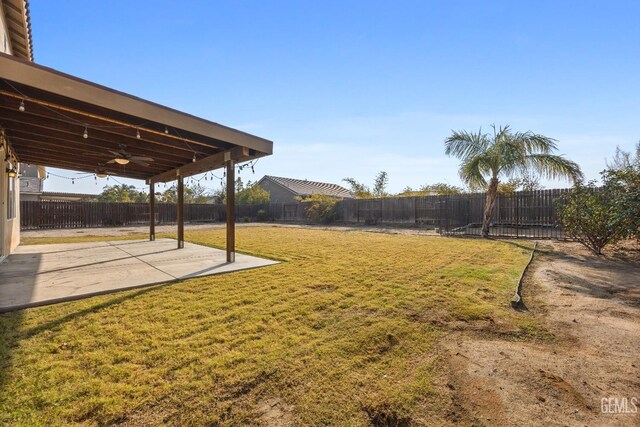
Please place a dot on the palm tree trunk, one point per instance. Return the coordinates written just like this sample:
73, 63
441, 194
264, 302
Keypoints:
492, 192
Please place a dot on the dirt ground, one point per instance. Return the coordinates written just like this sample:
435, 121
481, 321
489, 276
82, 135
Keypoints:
138, 229
591, 305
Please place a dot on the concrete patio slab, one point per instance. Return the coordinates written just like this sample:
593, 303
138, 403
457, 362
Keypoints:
44, 274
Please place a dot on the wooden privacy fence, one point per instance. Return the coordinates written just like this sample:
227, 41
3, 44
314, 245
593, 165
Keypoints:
521, 214
63, 214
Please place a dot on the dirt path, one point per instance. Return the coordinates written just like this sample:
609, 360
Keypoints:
592, 307
143, 229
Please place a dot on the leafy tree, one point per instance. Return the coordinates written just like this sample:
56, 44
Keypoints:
588, 215
362, 191
321, 209
439, 188
624, 187
196, 193
218, 195
380, 184
170, 195
519, 184
597, 216
485, 159
193, 193
624, 159
252, 194
359, 190
122, 193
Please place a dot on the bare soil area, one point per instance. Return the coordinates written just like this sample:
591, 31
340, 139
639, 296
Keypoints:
142, 229
591, 306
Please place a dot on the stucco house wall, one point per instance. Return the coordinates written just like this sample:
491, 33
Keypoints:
279, 194
9, 227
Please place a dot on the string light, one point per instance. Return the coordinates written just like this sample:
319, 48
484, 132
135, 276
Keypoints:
85, 135
194, 158
138, 133
22, 107
166, 130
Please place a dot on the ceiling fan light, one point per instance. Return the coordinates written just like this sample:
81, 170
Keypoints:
121, 161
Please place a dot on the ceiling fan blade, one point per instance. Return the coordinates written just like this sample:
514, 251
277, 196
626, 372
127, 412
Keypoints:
115, 153
138, 162
111, 161
141, 158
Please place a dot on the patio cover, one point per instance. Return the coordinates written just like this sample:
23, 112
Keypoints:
58, 108
53, 119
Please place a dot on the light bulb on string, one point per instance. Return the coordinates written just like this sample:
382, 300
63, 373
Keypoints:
166, 130
138, 133
194, 158
85, 135
22, 107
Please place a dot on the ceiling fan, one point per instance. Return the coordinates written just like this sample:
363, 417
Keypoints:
122, 157
100, 172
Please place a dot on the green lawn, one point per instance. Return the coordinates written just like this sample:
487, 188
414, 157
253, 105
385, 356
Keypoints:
346, 327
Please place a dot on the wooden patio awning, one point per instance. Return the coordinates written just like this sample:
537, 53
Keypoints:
54, 119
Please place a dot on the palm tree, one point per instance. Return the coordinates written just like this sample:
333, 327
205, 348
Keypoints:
506, 154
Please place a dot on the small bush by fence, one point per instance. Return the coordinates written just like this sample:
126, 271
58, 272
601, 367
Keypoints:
521, 214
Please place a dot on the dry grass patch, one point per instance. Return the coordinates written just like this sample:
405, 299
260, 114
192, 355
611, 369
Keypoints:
343, 332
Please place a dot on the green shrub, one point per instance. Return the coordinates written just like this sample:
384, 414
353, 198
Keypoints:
597, 216
624, 187
321, 209
262, 215
589, 215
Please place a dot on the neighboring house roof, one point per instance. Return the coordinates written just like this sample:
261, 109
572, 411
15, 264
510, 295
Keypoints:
18, 23
303, 187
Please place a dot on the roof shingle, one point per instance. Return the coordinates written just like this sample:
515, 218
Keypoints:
306, 188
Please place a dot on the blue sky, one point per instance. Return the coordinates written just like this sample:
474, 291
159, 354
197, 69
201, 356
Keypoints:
350, 88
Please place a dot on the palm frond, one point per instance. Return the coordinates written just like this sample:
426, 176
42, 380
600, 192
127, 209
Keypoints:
533, 142
463, 144
553, 166
473, 171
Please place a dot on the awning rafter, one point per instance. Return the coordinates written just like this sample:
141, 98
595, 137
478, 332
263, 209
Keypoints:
45, 114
